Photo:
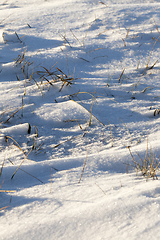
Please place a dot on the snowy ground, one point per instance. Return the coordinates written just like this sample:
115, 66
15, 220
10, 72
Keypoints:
104, 57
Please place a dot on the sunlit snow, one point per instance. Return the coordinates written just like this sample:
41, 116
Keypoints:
79, 106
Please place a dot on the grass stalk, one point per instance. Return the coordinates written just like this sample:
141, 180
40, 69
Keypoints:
12, 115
84, 164
127, 129
121, 76
89, 112
111, 134
20, 164
76, 37
156, 40
147, 166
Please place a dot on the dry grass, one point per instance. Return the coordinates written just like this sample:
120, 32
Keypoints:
157, 112
5, 191
24, 62
16, 144
53, 77
148, 166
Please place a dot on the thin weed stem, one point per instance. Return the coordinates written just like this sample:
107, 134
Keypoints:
84, 163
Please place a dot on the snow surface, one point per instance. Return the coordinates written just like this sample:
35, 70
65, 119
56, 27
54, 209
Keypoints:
103, 48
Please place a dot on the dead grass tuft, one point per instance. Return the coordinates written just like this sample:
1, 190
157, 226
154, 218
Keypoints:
147, 166
53, 77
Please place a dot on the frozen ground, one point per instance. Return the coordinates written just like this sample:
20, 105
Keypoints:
79, 84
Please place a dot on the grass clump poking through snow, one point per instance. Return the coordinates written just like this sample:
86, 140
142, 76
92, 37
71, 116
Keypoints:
24, 62
147, 166
53, 77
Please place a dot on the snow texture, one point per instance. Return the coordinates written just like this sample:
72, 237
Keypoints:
79, 93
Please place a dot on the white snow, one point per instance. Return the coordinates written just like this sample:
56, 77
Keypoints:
107, 55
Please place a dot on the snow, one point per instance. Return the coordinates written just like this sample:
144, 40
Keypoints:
79, 90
